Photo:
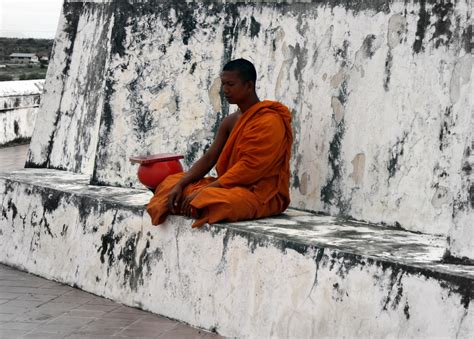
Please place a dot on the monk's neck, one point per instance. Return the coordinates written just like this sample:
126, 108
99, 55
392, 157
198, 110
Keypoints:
244, 106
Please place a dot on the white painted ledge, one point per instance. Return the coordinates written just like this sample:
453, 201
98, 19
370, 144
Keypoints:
296, 275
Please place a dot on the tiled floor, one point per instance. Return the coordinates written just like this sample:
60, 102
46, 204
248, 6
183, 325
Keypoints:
33, 307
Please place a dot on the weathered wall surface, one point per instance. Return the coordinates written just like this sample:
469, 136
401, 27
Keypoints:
52, 224
379, 90
66, 137
461, 234
19, 102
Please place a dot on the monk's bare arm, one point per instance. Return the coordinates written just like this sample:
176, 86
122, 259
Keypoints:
205, 163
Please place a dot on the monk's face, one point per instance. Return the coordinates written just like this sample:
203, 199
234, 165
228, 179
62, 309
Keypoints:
235, 89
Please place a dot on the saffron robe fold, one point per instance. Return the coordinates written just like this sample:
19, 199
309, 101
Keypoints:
253, 170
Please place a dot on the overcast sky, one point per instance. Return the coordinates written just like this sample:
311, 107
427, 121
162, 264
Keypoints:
29, 18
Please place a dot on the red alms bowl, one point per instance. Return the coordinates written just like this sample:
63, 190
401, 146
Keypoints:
155, 168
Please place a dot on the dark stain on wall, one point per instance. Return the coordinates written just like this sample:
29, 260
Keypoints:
187, 56
225, 243
11, 206
16, 127
106, 123
64, 230
109, 240
406, 311
318, 257
443, 10
368, 46
192, 152
301, 55
185, 15
72, 15
127, 256
331, 193
122, 10
85, 207
230, 35
338, 294
143, 119
342, 264
440, 19
144, 260
193, 68
258, 241
395, 153
445, 129
51, 201
421, 27
393, 297
467, 168
388, 70
50, 204
468, 39
254, 27
295, 173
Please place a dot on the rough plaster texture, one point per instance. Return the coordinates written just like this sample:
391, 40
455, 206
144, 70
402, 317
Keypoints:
379, 90
19, 102
312, 276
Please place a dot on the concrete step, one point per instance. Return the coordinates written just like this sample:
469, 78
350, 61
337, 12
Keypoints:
294, 275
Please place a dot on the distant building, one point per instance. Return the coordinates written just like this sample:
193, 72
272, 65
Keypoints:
44, 58
24, 58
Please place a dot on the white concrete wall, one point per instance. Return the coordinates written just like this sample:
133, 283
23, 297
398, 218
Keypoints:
235, 280
72, 105
380, 94
19, 102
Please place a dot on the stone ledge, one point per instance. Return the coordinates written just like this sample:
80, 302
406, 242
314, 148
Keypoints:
400, 247
293, 274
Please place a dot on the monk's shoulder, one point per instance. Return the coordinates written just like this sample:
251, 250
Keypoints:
229, 121
270, 118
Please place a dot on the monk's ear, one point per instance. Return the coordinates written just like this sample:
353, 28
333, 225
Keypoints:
251, 85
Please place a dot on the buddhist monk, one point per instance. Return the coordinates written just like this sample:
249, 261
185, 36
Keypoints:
251, 153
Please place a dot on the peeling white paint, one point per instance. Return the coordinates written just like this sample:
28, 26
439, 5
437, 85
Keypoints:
310, 275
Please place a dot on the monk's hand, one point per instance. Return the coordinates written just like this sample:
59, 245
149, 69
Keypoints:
174, 199
186, 208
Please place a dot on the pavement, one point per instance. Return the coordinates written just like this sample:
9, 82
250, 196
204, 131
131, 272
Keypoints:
13, 157
33, 307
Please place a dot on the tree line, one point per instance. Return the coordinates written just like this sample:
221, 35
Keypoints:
40, 47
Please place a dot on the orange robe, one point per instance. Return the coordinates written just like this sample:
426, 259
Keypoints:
253, 170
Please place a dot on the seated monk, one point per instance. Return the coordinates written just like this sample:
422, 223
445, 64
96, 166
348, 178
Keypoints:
251, 152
